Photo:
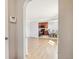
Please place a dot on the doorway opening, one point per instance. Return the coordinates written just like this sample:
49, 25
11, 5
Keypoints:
41, 29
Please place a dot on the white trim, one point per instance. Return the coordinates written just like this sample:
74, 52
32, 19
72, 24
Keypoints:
25, 51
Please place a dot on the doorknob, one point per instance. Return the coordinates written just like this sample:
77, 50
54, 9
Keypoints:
6, 38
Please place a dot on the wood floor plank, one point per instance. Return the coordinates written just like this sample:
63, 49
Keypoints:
41, 49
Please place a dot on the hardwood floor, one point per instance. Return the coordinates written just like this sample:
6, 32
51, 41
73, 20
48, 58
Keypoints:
42, 48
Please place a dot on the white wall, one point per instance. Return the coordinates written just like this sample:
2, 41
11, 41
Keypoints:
42, 9
53, 25
34, 29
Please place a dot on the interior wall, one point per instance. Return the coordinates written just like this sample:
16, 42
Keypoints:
12, 30
65, 46
34, 29
19, 31
53, 25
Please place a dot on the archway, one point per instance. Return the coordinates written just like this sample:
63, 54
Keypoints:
32, 15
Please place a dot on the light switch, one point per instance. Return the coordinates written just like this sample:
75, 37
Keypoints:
12, 19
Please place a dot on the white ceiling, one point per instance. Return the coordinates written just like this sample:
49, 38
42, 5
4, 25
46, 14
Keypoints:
44, 9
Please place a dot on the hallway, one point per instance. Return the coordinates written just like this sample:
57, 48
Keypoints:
42, 48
